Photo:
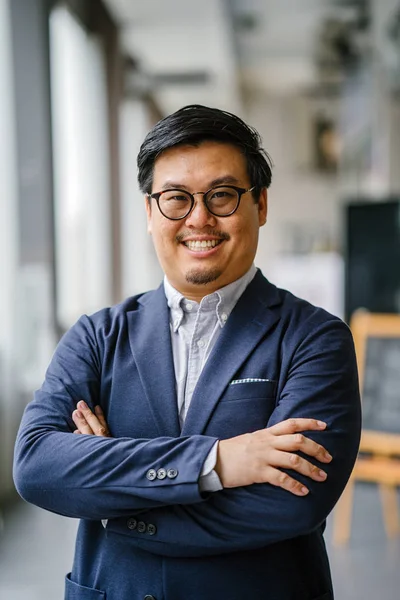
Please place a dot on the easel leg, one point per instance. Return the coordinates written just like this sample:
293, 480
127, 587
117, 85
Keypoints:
342, 516
389, 509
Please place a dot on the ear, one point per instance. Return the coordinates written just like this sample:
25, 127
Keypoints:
147, 202
263, 207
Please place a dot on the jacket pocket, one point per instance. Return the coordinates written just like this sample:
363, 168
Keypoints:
74, 591
247, 389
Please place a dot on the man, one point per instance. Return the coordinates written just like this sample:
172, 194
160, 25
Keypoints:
192, 476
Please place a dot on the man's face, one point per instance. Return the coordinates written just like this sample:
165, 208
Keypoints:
196, 272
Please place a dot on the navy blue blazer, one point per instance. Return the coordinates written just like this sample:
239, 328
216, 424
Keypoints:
164, 539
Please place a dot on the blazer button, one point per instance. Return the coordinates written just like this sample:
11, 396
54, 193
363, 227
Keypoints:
149, 597
151, 529
172, 473
132, 523
151, 474
161, 474
141, 527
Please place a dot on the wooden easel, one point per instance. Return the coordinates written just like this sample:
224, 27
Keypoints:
382, 466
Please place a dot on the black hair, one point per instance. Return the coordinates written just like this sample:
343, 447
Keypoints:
195, 124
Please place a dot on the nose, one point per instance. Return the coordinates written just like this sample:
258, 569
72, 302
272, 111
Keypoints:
199, 216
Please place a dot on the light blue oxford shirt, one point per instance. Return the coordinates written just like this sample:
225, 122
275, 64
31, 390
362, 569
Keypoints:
195, 328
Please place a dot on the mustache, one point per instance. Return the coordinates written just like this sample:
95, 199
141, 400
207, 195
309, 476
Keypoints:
222, 235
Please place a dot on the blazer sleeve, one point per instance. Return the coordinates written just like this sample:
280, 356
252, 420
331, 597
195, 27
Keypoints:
87, 476
322, 383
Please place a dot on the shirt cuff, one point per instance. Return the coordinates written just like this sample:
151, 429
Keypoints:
209, 480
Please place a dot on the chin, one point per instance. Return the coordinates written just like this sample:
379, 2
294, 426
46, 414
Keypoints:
202, 277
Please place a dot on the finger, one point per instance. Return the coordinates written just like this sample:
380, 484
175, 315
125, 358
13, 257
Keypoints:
76, 431
81, 423
295, 425
100, 415
92, 420
295, 462
299, 442
285, 481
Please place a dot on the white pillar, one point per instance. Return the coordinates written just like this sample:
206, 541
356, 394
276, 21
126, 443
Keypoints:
8, 253
81, 169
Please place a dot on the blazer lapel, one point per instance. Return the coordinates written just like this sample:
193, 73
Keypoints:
250, 320
150, 341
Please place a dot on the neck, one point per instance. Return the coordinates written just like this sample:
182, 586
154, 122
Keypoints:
197, 292
198, 295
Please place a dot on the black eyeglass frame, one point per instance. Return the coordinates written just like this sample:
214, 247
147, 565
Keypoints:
240, 191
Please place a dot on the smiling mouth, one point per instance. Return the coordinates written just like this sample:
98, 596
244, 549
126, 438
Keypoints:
200, 246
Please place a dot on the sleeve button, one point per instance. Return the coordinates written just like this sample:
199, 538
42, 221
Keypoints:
172, 473
141, 527
151, 474
151, 529
161, 474
132, 524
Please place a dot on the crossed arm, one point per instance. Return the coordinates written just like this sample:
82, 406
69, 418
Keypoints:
272, 486
250, 458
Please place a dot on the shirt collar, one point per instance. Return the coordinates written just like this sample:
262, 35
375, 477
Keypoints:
222, 301
174, 301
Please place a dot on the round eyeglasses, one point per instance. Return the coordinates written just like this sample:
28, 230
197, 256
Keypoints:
220, 201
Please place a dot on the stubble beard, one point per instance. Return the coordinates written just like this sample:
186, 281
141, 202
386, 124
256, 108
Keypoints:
198, 277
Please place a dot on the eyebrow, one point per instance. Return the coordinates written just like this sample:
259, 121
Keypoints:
224, 179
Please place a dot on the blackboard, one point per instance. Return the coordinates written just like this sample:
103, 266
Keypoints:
381, 384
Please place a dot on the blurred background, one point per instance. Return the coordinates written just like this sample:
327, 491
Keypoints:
81, 82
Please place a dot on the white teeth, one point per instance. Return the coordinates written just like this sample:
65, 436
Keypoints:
200, 245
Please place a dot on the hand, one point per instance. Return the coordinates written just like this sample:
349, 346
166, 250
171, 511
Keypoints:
90, 423
258, 457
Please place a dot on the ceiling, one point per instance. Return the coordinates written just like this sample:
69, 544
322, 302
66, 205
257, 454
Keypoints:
226, 46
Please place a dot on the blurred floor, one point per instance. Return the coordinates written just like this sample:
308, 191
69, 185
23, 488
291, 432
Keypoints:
369, 567
36, 550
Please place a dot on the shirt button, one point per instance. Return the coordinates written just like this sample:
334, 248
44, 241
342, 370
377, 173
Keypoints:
151, 474
141, 527
132, 523
172, 473
189, 306
201, 343
151, 529
161, 474
224, 317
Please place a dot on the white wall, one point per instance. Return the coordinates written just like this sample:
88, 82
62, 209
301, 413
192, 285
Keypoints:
298, 248
299, 198
140, 268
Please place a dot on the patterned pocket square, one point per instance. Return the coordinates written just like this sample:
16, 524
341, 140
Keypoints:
250, 380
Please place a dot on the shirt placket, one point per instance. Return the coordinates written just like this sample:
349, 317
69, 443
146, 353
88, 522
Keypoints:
204, 324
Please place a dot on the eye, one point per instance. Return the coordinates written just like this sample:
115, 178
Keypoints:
220, 194
178, 198
175, 196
